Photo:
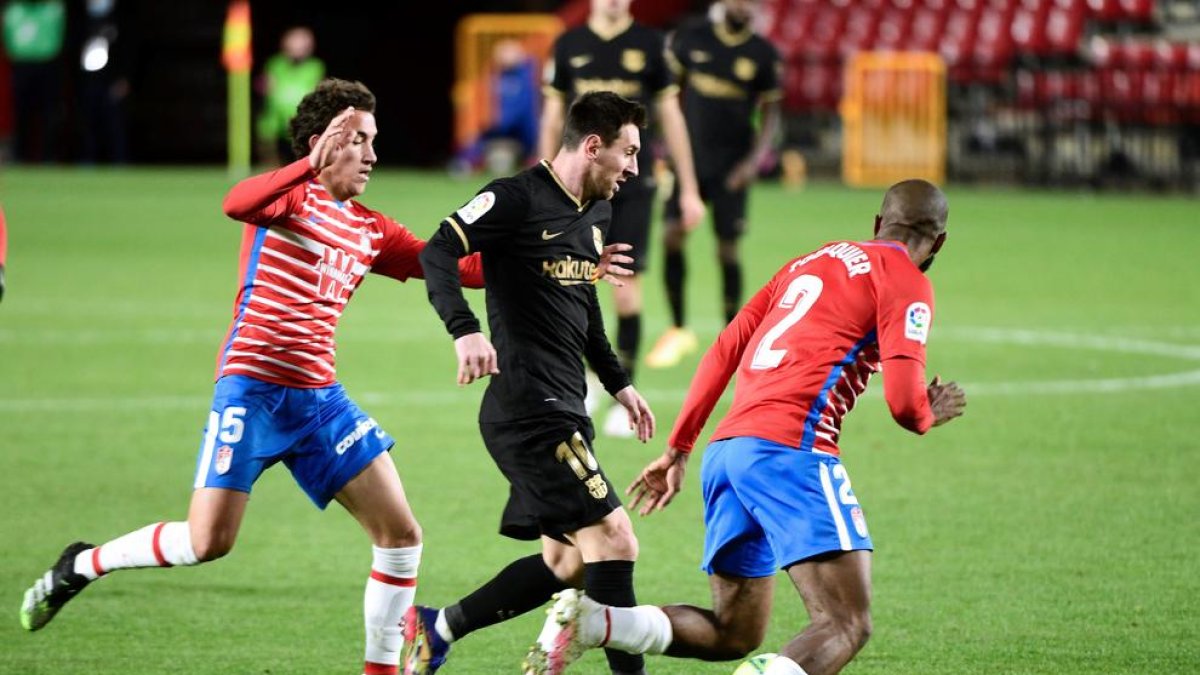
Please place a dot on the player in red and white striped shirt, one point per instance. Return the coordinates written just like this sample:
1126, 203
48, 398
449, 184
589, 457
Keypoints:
305, 249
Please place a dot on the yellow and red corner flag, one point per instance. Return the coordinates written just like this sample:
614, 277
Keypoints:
235, 46
237, 58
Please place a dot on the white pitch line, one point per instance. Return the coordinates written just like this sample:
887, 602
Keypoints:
450, 396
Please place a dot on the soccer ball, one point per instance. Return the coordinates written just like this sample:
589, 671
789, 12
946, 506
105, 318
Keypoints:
755, 665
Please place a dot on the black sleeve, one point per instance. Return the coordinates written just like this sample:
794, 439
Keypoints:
599, 352
561, 77
658, 74
490, 217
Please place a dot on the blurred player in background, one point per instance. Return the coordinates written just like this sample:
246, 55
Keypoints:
775, 492
613, 52
306, 247
730, 75
514, 100
287, 77
541, 234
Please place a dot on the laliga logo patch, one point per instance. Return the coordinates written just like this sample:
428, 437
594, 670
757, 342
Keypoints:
224, 459
916, 322
860, 522
481, 204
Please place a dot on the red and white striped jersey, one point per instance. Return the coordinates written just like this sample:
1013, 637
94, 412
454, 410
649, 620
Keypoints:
806, 344
303, 255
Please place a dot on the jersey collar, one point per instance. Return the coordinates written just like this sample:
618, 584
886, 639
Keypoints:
608, 33
730, 38
579, 206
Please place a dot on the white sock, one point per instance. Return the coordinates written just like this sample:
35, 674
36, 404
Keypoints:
442, 626
157, 545
389, 593
782, 665
644, 629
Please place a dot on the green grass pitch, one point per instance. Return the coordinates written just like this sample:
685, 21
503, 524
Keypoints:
1053, 529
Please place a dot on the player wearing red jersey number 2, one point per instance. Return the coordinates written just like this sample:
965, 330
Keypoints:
775, 492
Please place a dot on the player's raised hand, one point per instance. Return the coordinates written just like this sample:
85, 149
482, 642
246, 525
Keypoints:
611, 259
947, 401
641, 419
691, 210
476, 358
335, 137
658, 483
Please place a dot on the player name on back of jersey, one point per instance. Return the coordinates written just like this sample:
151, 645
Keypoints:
853, 257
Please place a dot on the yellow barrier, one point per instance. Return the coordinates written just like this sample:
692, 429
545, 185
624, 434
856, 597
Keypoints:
475, 38
894, 118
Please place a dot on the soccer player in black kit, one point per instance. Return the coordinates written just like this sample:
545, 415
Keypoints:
541, 237
615, 53
728, 74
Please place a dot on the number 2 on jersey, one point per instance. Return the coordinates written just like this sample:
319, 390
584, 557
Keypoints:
800, 296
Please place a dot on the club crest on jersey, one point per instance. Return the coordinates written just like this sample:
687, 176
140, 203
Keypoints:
481, 204
598, 240
335, 273
633, 60
916, 322
744, 68
224, 460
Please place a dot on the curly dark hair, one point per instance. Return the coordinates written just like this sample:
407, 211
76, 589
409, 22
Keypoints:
318, 108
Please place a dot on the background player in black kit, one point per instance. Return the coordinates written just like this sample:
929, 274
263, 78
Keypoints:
728, 74
613, 52
541, 236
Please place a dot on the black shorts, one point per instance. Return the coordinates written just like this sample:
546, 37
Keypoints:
728, 207
632, 209
555, 484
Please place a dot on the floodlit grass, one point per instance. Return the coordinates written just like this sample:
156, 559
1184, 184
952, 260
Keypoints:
1051, 530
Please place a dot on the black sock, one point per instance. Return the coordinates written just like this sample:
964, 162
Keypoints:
524, 585
675, 271
731, 288
629, 335
611, 582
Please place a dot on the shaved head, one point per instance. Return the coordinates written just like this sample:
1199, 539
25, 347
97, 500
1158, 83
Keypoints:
916, 204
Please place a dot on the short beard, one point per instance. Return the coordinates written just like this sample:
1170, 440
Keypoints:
924, 267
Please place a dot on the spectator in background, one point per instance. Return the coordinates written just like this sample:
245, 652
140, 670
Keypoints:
514, 85
33, 39
104, 83
287, 77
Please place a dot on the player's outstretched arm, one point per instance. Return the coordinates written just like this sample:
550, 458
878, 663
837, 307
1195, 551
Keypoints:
946, 400
658, 483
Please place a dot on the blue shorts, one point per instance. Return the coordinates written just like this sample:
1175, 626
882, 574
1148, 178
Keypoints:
768, 506
320, 434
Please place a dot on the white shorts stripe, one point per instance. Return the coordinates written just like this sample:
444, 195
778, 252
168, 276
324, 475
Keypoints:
210, 440
835, 508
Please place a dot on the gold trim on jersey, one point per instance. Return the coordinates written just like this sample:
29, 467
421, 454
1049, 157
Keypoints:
771, 96
626, 88
550, 90
607, 34
730, 38
715, 87
674, 64
461, 235
579, 205
669, 90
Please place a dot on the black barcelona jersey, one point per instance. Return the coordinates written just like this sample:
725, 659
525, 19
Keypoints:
631, 62
540, 248
724, 76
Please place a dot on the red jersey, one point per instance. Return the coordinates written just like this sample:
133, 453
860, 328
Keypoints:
303, 255
806, 344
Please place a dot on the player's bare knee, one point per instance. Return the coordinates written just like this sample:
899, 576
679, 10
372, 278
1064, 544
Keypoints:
212, 546
738, 642
566, 564
620, 541
400, 536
